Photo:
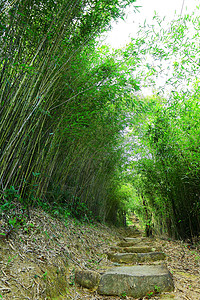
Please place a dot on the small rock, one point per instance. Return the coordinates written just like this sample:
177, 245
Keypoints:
87, 279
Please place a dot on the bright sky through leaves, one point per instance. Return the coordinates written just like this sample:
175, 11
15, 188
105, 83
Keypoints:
123, 30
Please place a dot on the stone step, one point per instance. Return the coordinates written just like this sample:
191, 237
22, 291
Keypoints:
135, 281
133, 242
136, 240
133, 235
131, 231
134, 249
128, 258
126, 244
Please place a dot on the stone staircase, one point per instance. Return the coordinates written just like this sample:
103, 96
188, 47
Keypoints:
139, 270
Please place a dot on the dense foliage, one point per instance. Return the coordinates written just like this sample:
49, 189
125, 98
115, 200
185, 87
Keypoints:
165, 138
62, 104
166, 174
77, 137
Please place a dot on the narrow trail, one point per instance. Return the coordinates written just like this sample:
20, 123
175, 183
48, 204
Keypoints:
138, 271
41, 263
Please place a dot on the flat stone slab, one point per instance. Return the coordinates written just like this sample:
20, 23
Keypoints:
136, 240
133, 234
136, 257
135, 281
126, 244
134, 249
133, 242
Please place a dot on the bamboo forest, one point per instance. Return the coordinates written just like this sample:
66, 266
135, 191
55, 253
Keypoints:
78, 137
99, 152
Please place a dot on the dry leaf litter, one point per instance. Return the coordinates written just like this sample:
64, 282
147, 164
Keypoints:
38, 259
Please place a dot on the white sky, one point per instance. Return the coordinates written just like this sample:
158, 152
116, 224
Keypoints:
123, 30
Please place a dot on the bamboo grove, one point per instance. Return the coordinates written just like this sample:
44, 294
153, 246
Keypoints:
164, 140
77, 137
59, 121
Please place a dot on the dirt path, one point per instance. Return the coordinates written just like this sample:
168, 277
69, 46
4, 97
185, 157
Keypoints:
38, 260
183, 261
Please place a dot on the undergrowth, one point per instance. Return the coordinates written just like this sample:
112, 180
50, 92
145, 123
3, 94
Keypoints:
16, 213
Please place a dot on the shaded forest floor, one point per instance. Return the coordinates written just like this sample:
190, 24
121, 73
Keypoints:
38, 259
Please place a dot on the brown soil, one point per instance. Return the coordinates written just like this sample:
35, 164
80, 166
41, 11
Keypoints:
38, 259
